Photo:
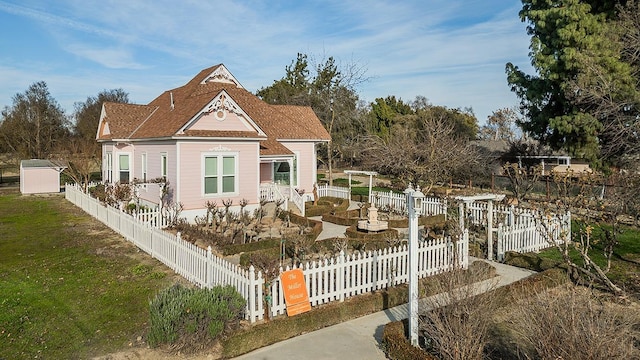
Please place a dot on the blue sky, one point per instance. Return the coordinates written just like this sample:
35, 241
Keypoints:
453, 52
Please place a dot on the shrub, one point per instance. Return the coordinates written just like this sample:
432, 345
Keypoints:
398, 346
571, 322
184, 316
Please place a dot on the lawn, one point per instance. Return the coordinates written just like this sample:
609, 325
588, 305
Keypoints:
69, 287
625, 265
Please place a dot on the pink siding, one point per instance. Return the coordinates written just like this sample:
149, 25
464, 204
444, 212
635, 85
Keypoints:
307, 163
232, 122
154, 151
39, 180
266, 172
191, 181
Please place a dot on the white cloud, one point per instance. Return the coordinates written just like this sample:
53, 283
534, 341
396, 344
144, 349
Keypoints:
452, 52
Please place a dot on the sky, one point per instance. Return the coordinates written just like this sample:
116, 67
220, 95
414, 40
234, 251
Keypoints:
453, 52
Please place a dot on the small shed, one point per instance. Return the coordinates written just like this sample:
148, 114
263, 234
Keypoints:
39, 176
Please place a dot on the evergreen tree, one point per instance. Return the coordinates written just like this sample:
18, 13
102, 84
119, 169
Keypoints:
566, 37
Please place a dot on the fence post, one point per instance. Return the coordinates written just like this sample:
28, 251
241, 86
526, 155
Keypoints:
461, 215
209, 263
251, 301
374, 270
500, 241
340, 276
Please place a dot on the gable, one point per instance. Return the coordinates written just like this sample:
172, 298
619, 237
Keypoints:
221, 75
222, 113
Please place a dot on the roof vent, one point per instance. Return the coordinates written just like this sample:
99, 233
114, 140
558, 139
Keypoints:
172, 104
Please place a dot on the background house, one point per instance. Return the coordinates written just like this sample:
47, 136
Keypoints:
212, 140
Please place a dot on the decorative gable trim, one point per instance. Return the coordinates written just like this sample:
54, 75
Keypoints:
221, 75
220, 106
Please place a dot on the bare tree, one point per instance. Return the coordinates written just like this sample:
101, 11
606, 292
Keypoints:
34, 125
423, 149
458, 323
574, 195
79, 157
500, 125
522, 179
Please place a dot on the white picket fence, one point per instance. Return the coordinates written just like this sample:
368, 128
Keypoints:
334, 191
476, 213
344, 276
519, 229
390, 201
534, 236
328, 280
195, 264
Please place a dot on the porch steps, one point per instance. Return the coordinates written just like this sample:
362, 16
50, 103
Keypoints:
271, 207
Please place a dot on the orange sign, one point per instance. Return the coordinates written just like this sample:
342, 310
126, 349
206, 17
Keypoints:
295, 292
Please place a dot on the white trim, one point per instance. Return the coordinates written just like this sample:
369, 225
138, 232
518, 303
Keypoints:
164, 165
222, 75
178, 172
108, 164
131, 162
234, 107
144, 175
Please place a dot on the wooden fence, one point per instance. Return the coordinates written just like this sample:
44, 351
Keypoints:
327, 280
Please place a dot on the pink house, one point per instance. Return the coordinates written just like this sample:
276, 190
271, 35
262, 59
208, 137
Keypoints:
212, 140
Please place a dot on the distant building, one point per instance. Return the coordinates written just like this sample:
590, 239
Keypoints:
39, 176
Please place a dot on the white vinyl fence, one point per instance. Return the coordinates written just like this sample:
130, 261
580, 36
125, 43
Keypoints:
344, 276
390, 201
334, 191
520, 230
533, 236
327, 280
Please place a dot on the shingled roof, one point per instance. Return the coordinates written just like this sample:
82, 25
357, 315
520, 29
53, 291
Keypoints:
166, 115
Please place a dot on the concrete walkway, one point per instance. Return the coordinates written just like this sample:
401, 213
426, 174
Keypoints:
359, 338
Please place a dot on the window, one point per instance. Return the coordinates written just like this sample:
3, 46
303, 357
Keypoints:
286, 173
108, 174
219, 174
163, 165
144, 167
124, 168
281, 173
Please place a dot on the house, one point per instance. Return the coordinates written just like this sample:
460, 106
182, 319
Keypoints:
213, 141
527, 153
39, 176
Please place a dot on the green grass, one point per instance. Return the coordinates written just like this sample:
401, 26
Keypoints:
69, 288
625, 260
364, 190
345, 182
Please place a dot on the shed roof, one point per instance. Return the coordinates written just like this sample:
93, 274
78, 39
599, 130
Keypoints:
40, 163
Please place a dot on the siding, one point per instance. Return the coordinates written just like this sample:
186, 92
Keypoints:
191, 176
39, 180
231, 123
